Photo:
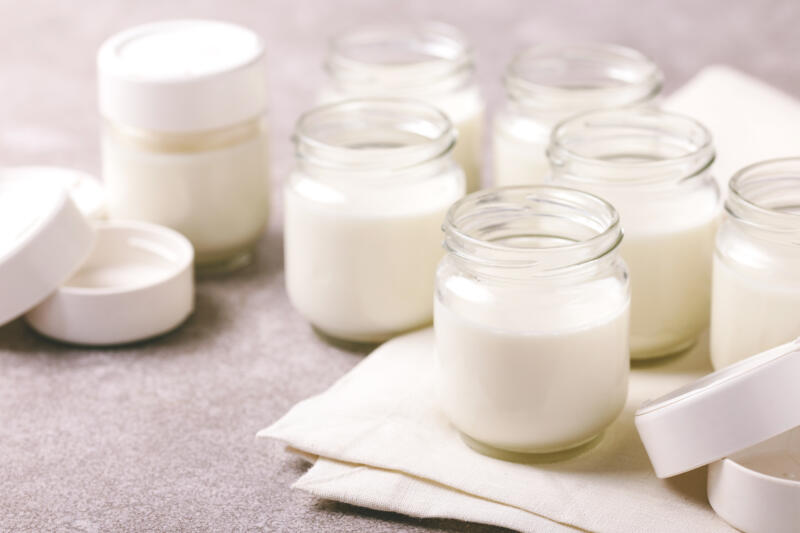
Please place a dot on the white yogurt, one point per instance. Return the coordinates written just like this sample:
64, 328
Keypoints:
756, 286
184, 135
653, 167
532, 350
362, 236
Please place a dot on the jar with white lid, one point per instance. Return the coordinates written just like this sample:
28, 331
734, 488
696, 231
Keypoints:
184, 133
531, 319
363, 212
430, 61
756, 281
654, 167
548, 83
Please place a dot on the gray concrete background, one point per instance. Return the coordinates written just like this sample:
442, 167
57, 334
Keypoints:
159, 436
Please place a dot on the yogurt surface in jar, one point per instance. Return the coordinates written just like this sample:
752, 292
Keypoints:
363, 212
431, 62
756, 281
654, 167
531, 319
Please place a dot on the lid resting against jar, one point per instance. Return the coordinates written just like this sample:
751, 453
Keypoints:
43, 239
99, 283
182, 75
723, 413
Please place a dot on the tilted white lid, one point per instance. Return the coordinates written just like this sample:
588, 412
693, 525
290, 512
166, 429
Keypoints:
182, 75
723, 412
44, 238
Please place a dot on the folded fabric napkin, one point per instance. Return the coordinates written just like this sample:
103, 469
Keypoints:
378, 439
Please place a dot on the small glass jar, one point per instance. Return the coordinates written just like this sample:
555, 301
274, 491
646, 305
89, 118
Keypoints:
363, 212
531, 319
184, 139
654, 167
756, 282
546, 84
430, 61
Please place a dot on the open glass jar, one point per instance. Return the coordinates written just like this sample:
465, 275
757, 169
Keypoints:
548, 83
531, 319
184, 139
756, 282
654, 167
363, 212
432, 62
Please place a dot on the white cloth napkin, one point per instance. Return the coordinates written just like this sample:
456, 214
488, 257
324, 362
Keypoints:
749, 120
379, 441
383, 443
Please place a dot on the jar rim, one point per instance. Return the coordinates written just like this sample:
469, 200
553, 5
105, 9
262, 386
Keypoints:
604, 238
390, 53
686, 135
754, 188
357, 121
581, 76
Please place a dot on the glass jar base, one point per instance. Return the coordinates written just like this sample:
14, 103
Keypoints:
226, 265
662, 353
351, 344
532, 457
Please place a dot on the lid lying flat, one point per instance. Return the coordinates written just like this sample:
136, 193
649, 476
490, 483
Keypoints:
43, 239
86, 191
723, 413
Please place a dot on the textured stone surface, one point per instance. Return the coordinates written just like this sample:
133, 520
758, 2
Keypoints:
160, 436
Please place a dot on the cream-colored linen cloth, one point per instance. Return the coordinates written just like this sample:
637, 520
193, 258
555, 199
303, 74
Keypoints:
379, 440
384, 444
749, 120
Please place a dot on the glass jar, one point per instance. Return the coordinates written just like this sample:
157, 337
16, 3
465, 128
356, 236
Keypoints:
756, 282
654, 168
531, 319
184, 138
432, 62
546, 84
363, 212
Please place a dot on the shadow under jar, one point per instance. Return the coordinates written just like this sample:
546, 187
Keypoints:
363, 215
184, 138
531, 319
428, 61
546, 84
756, 282
654, 168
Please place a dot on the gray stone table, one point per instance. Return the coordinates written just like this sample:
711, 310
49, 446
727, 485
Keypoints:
160, 436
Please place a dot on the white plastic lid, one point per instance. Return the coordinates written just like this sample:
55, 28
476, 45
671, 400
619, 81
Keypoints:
182, 75
86, 191
43, 239
723, 413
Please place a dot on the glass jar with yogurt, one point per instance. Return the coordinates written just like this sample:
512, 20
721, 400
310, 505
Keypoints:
430, 61
549, 83
756, 282
184, 139
654, 168
531, 319
363, 212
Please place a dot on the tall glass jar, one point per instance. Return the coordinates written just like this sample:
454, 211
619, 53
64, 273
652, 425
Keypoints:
363, 212
184, 137
531, 319
756, 287
546, 84
654, 167
429, 61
